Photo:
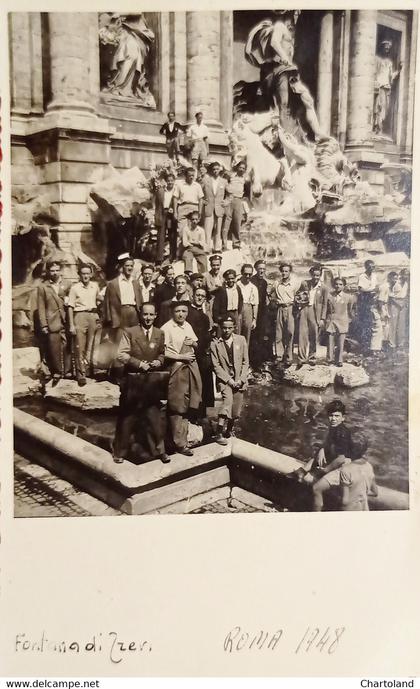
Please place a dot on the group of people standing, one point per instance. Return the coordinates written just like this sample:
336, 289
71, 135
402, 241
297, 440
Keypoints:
199, 212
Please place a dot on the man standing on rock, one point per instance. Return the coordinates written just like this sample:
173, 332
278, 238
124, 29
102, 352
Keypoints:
83, 319
311, 299
188, 197
214, 188
52, 320
141, 351
282, 298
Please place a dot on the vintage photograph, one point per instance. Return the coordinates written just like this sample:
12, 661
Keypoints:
211, 223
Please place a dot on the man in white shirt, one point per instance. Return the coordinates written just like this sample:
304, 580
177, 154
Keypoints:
83, 319
185, 388
282, 297
199, 134
194, 244
248, 319
188, 197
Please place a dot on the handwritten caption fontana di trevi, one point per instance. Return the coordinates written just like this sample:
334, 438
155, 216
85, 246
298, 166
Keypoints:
117, 648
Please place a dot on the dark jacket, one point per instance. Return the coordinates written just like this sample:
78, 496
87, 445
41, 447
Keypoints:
51, 311
144, 350
176, 131
161, 213
112, 302
220, 303
163, 292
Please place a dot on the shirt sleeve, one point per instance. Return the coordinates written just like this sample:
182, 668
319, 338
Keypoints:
72, 297
124, 348
345, 477
200, 192
190, 332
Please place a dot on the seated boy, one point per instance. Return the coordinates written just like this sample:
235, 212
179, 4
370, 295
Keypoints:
357, 478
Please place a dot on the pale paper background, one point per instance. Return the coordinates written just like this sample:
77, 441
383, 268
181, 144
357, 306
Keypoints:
184, 582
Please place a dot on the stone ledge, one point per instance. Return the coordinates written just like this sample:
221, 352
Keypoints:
93, 395
322, 375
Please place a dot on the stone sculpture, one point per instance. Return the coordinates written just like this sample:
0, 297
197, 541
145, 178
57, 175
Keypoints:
270, 47
385, 77
132, 41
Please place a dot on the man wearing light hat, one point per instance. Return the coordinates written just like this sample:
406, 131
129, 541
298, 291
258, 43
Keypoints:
214, 189
123, 297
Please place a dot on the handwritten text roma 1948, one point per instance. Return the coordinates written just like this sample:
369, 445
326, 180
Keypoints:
323, 640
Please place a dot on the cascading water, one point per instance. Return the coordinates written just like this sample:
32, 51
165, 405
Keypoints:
271, 236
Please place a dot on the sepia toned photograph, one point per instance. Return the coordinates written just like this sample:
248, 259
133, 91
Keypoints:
211, 231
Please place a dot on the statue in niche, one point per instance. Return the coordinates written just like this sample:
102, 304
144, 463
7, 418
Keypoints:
270, 47
385, 76
131, 40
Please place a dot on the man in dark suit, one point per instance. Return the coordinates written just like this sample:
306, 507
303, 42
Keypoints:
141, 350
123, 298
259, 345
52, 320
311, 299
229, 356
228, 300
166, 289
214, 188
200, 323
165, 220
171, 130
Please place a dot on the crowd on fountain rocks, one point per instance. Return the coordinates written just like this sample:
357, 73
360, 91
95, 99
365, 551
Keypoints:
194, 325
180, 340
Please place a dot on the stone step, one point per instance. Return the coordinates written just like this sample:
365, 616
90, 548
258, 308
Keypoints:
182, 490
120, 485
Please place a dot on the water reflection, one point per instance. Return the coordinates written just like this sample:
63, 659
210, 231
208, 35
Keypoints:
291, 420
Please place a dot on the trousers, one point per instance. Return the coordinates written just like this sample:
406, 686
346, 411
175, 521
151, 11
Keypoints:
285, 330
336, 342
245, 320
199, 255
213, 226
232, 222
308, 335
86, 325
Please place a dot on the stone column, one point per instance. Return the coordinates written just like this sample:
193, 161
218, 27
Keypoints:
203, 65
25, 62
361, 78
407, 153
325, 72
70, 61
226, 68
